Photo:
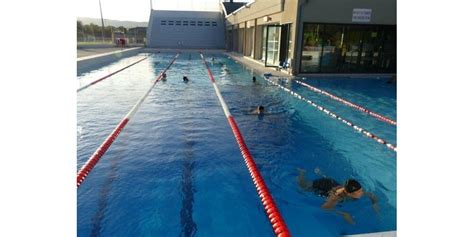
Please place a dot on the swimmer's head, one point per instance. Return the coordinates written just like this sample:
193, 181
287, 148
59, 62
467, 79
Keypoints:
254, 79
353, 189
260, 109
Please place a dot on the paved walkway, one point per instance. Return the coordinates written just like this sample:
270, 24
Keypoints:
109, 52
257, 66
84, 51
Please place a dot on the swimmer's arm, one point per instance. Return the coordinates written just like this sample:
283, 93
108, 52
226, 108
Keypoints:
303, 183
249, 111
374, 201
372, 197
329, 205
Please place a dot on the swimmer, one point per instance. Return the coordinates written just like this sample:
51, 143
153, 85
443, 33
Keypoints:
259, 110
254, 79
163, 78
336, 193
185, 78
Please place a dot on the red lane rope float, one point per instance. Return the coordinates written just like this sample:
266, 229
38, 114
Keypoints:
89, 165
274, 216
333, 115
348, 103
111, 74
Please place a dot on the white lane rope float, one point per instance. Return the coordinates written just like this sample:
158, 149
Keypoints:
109, 75
348, 103
273, 214
92, 161
335, 116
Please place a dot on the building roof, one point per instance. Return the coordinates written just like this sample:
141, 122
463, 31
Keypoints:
185, 14
230, 7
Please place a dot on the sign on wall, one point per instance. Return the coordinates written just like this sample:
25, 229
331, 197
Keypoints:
361, 15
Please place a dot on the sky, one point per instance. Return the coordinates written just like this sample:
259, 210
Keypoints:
138, 10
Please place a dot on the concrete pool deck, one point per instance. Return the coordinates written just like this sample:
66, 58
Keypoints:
376, 234
92, 62
257, 66
90, 51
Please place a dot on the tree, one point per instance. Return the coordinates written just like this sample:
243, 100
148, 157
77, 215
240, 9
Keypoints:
123, 29
80, 30
79, 26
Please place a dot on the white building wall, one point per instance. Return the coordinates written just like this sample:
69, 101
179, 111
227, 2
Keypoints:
175, 29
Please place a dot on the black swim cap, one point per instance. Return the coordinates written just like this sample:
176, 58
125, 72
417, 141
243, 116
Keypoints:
352, 185
261, 107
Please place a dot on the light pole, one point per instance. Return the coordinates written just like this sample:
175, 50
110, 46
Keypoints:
102, 18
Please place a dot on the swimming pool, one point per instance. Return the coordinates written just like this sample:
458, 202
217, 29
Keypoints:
176, 170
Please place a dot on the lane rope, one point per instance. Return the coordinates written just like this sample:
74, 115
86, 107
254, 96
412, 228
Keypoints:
348, 103
109, 75
89, 165
276, 220
335, 116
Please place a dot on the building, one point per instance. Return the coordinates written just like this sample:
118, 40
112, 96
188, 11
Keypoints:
316, 36
137, 35
186, 29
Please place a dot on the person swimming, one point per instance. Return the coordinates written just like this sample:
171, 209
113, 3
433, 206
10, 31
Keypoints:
254, 79
185, 78
260, 110
163, 77
335, 193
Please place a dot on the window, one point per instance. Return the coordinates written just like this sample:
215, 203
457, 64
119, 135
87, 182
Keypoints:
214, 23
332, 40
312, 45
207, 23
193, 23
199, 23
337, 48
170, 23
185, 23
178, 23
163, 23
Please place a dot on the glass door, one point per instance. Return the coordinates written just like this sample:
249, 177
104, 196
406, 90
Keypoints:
272, 49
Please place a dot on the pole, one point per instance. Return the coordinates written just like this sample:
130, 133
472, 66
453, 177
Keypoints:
102, 19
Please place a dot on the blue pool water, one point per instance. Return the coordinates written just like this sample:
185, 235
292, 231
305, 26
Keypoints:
176, 170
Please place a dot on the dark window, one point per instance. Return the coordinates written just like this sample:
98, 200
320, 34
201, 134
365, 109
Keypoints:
193, 23
185, 23
214, 23
207, 23
337, 48
170, 23
312, 45
178, 23
163, 22
332, 40
199, 23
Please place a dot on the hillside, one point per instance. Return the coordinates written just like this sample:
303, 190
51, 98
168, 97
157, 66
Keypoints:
115, 23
